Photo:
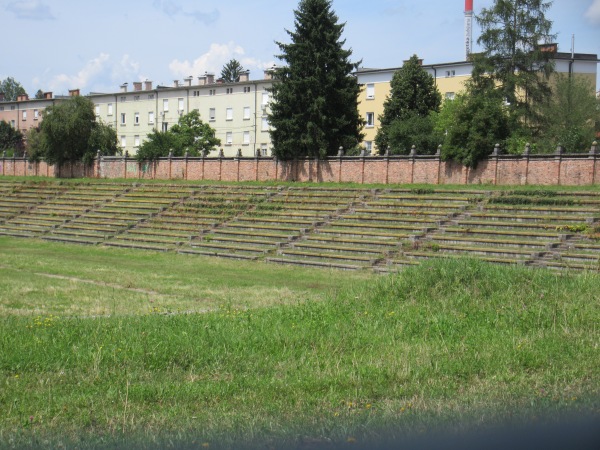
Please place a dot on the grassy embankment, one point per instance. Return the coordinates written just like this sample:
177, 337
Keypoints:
178, 350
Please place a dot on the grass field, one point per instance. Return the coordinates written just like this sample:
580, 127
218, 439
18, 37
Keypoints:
104, 347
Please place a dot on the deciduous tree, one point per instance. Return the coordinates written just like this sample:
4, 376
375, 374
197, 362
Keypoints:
11, 89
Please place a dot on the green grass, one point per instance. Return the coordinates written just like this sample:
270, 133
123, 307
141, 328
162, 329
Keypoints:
284, 354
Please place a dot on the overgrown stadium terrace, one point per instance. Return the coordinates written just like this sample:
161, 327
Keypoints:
380, 229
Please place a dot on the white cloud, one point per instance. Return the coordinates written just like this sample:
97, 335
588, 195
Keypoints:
125, 70
593, 13
94, 68
214, 60
30, 10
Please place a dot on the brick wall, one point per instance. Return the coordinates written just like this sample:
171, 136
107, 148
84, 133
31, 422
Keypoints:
575, 170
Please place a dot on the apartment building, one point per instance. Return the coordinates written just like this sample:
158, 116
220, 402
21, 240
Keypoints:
237, 111
25, 113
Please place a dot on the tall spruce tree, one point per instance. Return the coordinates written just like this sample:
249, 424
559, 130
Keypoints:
315, 96
406, 112
512, 60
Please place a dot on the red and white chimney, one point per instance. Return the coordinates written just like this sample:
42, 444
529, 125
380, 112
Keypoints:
468, 28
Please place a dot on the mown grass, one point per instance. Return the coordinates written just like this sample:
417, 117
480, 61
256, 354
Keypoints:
456, 341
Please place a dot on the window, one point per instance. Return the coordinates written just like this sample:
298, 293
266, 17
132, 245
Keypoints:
450, 73
165, 126
123, 99
12, 123
110, 109
370, 91
229, 90
36, 114
450, 95
150, 96
246, 113
263, 149
265, 124
370, 120
180, 104
123, 141
136, 98
265, 98
136, 118
212, 92
136, 141
212, 114
1, 108
166, 105
229, 138
123, 119
229, 114
12, 108
24, 115
246, 138
151, 117
368, 146
246, 89
196, 93
97, 110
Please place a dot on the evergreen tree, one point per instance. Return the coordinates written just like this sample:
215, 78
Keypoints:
406, 112
231, 71
512, 60
315, 107
39, 94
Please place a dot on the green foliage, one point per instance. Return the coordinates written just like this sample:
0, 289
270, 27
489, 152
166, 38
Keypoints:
67, 129
406, 115
11, 89
231, 71
570, 115
36, 144
480, 122
11, 139
39, 94
190, 134
402, 134
103, 139
512, 61
158, 144
315, 107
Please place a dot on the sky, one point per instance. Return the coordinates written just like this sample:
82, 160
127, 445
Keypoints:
95, 46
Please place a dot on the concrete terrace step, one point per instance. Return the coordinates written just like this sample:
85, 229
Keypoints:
358, 250
310, 263
487, 251
514, 233
368, 260
341, 224
380, 243
450, 239
515, 225
364, 233
546, 218
218, 254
